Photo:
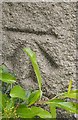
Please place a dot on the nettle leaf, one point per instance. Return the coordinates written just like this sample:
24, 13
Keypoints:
32, 56
72, 94
6, 76
25, 112
33, 97
18, 92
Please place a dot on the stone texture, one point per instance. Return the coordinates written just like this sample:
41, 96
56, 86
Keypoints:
0, 33
48, 29
0, 39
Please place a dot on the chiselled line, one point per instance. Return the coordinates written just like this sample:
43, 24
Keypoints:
28, 30
48, 56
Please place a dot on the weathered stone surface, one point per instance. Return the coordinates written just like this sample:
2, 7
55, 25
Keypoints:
0, 39
48, 29
0, 33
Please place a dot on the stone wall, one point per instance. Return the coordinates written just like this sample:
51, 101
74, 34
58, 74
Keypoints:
48, 29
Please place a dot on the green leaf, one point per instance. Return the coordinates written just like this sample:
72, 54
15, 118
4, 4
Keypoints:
3, 68
5, 75
25, 112
10, 104
3, 100
34, 97
68, 106
28, 93
53, 110
0, 101
1, 115
70, 85
18, 92
72, 94
54, 101
41, 112
32, 56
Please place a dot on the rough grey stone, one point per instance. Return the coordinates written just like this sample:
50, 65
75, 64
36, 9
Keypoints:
48, 29
0, 33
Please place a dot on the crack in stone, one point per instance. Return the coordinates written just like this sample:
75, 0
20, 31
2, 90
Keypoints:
28, 30
47, 56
